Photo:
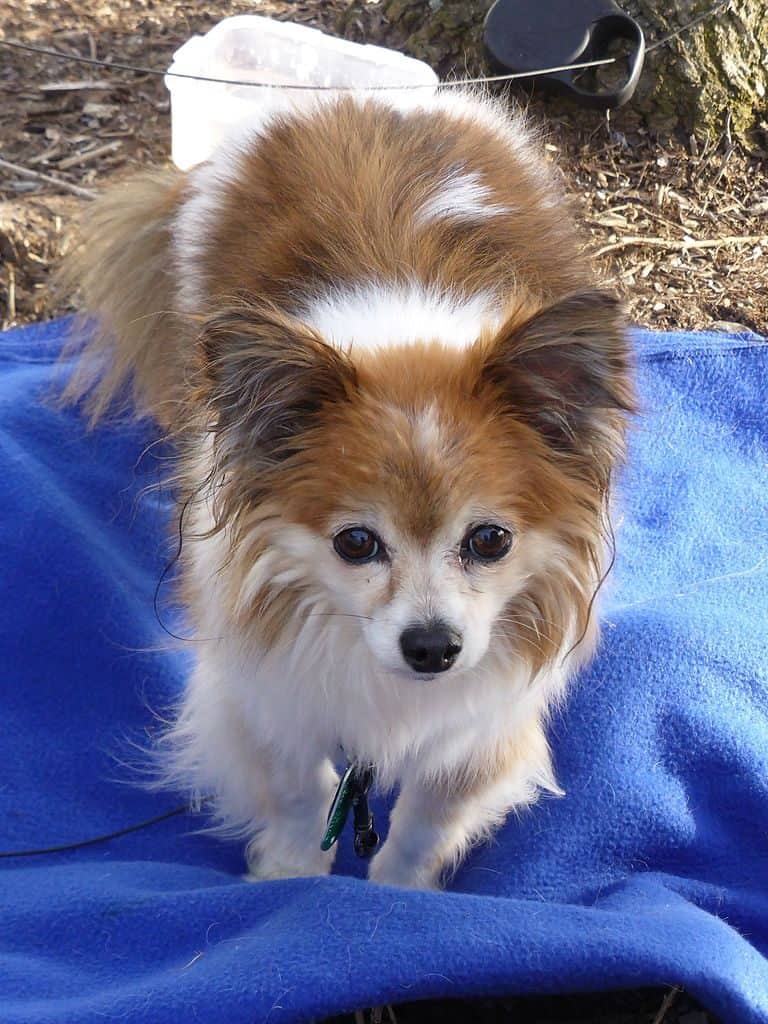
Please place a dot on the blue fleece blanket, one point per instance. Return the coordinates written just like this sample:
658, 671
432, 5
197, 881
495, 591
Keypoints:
653, 870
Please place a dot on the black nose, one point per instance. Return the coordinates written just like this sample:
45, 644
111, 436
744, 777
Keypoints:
430, 649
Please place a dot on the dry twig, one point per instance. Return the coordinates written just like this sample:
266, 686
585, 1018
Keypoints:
25, 172
669, 998
682, 244
88, 155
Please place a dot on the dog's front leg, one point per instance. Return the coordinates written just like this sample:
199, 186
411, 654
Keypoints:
434, 825
293, 808
275, 796
432, 828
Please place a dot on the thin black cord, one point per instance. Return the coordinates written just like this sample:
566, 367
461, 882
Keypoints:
97, 839
168, 568
4, 855
164, 576
611, 540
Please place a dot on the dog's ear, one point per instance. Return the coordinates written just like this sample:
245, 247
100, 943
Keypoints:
267, 376
566, 372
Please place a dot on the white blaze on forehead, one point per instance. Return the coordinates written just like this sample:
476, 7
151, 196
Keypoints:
376, 314
461, 197
426, 430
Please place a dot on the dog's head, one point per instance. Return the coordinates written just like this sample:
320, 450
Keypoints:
445, 502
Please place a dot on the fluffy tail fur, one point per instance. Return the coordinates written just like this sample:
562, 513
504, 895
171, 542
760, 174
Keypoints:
122, 267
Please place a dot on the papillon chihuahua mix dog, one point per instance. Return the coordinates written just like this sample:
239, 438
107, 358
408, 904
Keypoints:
399, 400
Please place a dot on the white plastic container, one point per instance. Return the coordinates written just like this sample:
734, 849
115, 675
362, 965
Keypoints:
249, 48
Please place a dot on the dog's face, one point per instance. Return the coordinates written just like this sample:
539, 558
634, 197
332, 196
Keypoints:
429, 601
418, 524
447, 502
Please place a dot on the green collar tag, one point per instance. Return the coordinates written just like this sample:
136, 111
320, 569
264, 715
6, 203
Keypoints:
352, 794
339, 810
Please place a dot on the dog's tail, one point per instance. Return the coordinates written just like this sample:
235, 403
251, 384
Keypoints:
132, 341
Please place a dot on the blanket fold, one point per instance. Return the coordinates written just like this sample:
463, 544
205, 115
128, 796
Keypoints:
652, 870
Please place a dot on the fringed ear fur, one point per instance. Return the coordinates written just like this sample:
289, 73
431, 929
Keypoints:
267, 376
566, 372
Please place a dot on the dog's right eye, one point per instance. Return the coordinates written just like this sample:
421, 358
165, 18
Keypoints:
358, 545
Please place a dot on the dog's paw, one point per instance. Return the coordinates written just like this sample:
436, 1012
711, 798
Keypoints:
267, 863
392, 870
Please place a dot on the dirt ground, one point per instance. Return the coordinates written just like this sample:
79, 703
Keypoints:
680, 227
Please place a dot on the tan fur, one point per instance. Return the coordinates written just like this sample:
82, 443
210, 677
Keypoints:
361, 451
123, 268
334, 198
281, 430
529, 746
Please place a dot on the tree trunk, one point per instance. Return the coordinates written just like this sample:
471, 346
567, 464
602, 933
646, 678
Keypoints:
690, 84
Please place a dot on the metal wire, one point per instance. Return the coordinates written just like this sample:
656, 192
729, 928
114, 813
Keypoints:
299, 87
451, 83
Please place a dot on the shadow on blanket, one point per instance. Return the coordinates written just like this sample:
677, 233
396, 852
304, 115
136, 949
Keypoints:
652, 871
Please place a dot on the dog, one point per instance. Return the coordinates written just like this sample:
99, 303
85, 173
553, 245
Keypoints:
399, 400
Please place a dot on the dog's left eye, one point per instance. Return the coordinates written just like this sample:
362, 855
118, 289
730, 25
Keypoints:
487, 543
357, 545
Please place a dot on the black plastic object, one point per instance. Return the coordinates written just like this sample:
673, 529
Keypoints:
524, 36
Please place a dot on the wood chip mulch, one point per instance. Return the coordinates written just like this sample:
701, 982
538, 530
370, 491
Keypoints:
680, 229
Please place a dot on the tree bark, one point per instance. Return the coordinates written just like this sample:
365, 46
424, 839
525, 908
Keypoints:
713, 73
